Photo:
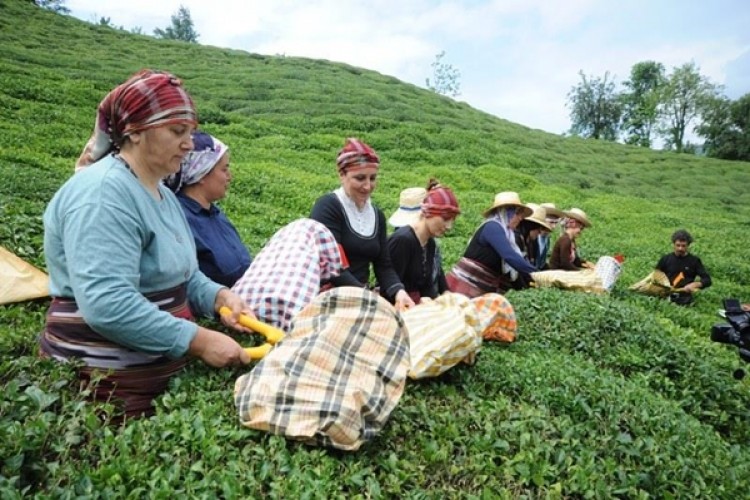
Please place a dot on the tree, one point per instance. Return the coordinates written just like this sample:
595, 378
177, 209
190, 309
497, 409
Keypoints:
641, 102
53, 5
726, 128
683, 96
182, 27
595, 108
446, 79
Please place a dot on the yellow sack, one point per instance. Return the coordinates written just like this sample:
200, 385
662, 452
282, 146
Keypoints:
586, 280
19, 280
600, 279
656, 284
448, 330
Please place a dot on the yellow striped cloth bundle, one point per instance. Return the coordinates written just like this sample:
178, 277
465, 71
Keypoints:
449, 330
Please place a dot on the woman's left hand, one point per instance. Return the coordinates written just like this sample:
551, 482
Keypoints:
232, 301
403, 301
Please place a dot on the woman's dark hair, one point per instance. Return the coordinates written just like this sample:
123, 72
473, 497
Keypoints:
526, 226
682, 235
432, 184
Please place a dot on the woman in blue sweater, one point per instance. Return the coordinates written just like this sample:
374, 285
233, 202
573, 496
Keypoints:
201, 182
492, 261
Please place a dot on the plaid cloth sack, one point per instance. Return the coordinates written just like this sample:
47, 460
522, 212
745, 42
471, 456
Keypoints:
335, 378
448, 330
286, 275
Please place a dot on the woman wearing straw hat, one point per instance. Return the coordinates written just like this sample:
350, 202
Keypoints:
529, 231
565, 253
492, 260
358, 226
414, 251
552, 218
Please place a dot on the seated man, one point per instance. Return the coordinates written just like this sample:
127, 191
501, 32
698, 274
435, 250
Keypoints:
682, 268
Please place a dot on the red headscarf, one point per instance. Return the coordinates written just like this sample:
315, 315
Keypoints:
440, 201
146, 100
356, 154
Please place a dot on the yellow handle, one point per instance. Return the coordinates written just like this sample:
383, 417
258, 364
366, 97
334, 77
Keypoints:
271, 333
257, 353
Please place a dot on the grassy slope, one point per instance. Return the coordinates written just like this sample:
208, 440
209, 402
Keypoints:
602, 394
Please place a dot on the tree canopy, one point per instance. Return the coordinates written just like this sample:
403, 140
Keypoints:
446, 79
726, 128
53, 5
182, 27
641, 101
683, 97
595, 108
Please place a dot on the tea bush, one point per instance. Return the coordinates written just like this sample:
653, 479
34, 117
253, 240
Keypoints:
601, 396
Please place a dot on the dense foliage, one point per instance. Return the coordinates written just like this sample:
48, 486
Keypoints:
620, 395
182, 27
726, 127
595, 108
653, 103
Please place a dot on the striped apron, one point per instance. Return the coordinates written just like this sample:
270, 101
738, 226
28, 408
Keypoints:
113, 373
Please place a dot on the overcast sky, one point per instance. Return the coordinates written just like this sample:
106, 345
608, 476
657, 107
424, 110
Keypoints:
518, 59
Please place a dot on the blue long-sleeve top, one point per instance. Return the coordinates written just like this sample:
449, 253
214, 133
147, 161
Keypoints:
490, 246
108, 241
221, 254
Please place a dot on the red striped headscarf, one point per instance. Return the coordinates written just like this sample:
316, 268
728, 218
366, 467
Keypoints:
440, 201
356, 154
148, 99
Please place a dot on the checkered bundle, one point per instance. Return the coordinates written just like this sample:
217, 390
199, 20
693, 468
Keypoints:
335, 378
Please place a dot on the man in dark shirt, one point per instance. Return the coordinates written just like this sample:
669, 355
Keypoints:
682, 268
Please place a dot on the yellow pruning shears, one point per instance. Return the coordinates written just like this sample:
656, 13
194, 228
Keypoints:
271, 333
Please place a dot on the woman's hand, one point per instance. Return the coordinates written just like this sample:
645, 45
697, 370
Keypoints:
217, 350
588, 265
403, 301
232, 301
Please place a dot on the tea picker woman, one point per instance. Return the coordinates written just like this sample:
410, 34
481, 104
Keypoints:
413, 249
492, 262
120, 255
201, 182
565, 254
359, 226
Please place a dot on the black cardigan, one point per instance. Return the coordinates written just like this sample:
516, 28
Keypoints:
360, 251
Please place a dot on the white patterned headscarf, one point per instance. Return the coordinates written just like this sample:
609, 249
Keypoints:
503, 217
206, 153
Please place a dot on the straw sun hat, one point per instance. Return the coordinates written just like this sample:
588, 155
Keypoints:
552, 212
538, 215
579, 215
409, 206
508, 199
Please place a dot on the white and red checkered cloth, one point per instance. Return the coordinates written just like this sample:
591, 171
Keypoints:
286, 275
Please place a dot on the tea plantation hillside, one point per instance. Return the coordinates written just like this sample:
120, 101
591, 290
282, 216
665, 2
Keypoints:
619, 395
